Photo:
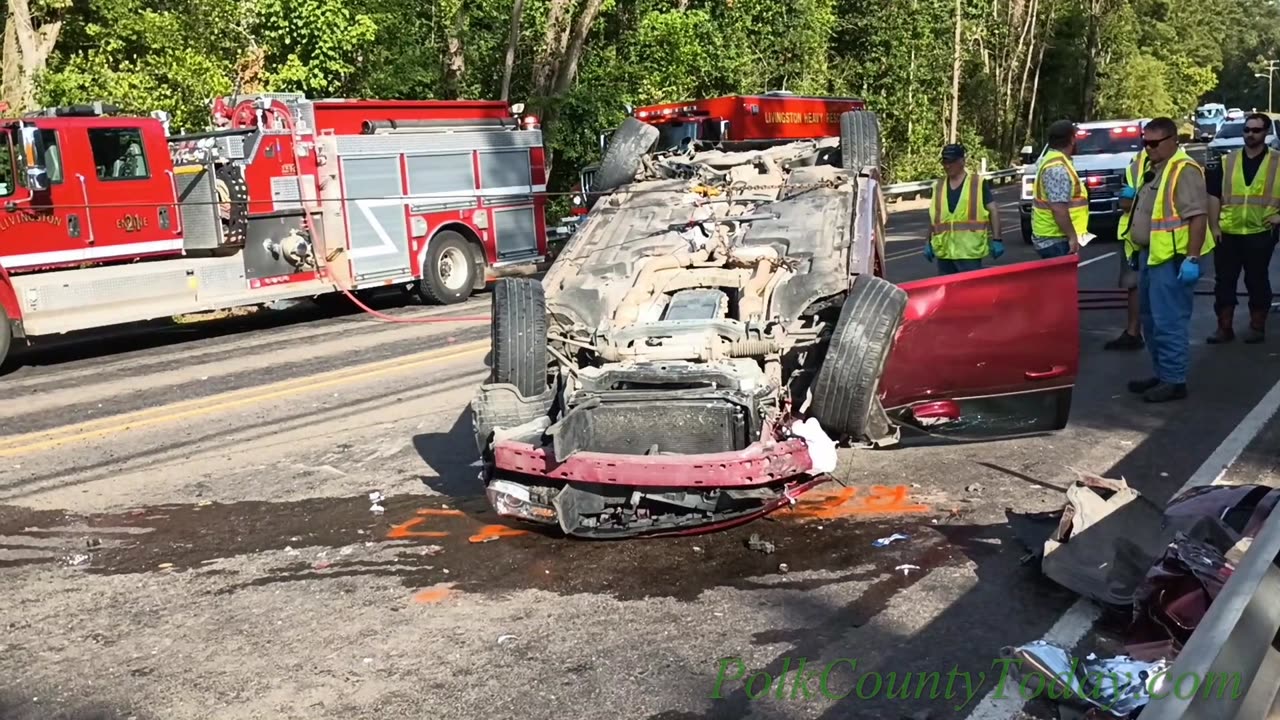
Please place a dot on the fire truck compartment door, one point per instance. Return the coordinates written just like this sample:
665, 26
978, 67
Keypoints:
506, 184
376, 218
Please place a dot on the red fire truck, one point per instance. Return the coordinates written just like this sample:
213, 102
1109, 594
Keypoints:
736, 122
108, 219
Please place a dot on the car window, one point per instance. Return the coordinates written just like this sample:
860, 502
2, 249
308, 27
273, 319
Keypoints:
118, 153
1231, 130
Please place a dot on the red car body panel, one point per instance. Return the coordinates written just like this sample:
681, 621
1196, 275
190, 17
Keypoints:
983, 333
758, 464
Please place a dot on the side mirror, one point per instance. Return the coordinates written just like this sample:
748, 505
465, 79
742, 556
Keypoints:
724, 130
1028, 154
517, 108
37, 179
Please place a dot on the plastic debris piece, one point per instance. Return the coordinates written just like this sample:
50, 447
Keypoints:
758, 545
1120, 685
783, 568
431, 550
974, 487
822, 449
891, 539
506, 638
78, 559
377, 509
906, 569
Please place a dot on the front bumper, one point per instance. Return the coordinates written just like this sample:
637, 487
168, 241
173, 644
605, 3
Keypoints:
757, 464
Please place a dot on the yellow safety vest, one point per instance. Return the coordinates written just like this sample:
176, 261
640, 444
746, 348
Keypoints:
962, 234
1043, 223
1245, 208
1133, 179
1171, 234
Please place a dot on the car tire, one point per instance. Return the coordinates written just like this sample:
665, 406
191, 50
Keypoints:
232, 187
1025, 224
449, 270
518, 334
622, 158
844, 393
859, 140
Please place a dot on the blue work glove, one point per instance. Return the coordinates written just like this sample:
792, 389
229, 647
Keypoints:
1128, 193
997, 248
928, 251
1189, 273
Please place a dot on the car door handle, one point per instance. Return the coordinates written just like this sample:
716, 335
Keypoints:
1055, 371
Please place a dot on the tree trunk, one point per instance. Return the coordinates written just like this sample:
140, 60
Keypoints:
27, 47
554, 41
1035, 91
455, 62
1094, 10
577, 44
953, 133
517, 10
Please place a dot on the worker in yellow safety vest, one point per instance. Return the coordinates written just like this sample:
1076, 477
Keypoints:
1131, 338
1169, 228
1060, 202
964, 224
1247, 191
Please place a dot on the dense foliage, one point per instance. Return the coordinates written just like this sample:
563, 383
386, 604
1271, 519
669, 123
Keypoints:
1018, 64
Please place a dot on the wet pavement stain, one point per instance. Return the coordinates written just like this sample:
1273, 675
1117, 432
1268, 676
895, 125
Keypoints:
440, 548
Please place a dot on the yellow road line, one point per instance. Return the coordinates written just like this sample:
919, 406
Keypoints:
105, 427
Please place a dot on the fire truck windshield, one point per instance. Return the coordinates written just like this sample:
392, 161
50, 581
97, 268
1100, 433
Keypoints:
7, 171
671, 135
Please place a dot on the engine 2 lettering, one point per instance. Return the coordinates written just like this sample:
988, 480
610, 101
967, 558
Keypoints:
131, 223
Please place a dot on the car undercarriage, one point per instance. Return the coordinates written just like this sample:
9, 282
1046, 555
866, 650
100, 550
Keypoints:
716, 325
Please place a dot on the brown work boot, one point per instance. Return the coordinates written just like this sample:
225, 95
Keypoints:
1225, 332
1257, 326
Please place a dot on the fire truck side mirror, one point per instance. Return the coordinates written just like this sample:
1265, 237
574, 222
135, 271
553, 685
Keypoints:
1028, 154
517, 109
32, 153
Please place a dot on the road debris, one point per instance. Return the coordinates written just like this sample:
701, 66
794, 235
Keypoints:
431, 550
822, 449
502, 639
764, 546
78, 559
1119, 686
888, 540
974, 488
376, 498
784, 568
906, 569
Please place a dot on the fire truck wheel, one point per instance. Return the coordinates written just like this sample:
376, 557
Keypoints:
860, 140
448, 273
6, 336
519, 335
622, 159
846, 387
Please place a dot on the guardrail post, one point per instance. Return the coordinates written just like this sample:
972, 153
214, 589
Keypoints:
983, 167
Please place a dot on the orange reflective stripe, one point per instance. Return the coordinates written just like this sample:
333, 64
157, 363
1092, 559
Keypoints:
975, 196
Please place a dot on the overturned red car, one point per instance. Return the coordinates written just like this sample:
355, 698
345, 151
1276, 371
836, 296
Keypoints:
665, 375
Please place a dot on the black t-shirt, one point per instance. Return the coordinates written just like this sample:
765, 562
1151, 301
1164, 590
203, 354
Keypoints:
1213, 178
953, 194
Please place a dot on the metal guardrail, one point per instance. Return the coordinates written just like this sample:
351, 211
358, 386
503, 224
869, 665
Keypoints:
1230, 667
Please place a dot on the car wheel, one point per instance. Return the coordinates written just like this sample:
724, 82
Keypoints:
859, 140
448, 273
233, 208
622, 159
845, 389
1025, 224
518, 334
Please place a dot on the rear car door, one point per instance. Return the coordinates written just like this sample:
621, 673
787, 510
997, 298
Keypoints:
989, 353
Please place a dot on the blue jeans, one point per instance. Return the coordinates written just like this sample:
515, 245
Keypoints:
1165, 308
951, 267
1057, 249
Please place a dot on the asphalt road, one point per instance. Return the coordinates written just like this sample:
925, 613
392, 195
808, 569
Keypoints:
186, 532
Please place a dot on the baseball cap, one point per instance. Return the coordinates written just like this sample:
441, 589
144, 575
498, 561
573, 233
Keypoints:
952, 153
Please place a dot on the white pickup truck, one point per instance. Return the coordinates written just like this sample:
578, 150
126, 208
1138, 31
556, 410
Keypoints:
1103, 150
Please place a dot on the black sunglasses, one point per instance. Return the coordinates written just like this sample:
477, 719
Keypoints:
1154, 143
1255, 130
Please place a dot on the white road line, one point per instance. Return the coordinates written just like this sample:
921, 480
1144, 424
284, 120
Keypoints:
1005, 703
1090, 261
1006, 206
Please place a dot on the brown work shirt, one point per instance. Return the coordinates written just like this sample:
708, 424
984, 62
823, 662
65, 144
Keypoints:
1190, 198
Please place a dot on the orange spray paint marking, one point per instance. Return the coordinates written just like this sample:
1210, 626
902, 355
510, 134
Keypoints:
888, 501
847, 502
432, 595
493, 532
440, 512
405, 531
